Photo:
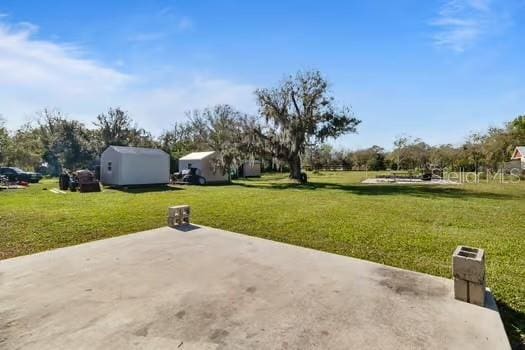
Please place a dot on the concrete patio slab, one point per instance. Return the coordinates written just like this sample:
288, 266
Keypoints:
203, 288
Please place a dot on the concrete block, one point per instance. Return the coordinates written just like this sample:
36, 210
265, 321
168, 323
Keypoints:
476, 293
468, 264
461, 289
179, 215
468, 268
175, 210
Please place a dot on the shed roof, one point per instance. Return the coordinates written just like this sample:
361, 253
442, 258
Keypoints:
519, 152
197, 155
137, 150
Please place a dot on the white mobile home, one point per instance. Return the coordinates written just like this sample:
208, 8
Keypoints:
128, 166
203, 162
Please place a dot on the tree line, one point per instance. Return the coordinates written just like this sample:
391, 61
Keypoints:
298, 113
294, 121
480, 151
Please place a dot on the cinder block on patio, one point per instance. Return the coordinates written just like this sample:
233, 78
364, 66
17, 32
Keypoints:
461, 289
477, 293
179, 215
469, 264
468, 268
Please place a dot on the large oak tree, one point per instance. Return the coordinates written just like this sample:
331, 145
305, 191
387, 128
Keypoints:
300, 112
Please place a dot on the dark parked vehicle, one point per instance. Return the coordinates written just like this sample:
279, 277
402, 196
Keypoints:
16, 174
189, 176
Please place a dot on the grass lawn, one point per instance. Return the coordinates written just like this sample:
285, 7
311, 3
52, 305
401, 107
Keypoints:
412, 227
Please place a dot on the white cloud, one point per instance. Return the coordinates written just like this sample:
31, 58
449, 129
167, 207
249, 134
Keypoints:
35, 74
461, 23
38, 64
160, 107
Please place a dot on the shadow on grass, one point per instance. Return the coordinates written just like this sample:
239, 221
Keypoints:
174, 187
383, 190
514, 322
147, 189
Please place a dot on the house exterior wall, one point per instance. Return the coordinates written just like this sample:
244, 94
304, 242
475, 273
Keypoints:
514, 164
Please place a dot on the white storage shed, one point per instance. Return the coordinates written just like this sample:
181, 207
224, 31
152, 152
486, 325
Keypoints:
129, 166
250, 169
203, 162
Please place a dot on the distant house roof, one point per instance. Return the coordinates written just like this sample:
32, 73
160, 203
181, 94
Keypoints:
137, 150
197, 155
519, 152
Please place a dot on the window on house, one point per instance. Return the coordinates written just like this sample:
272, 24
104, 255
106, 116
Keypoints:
109, 166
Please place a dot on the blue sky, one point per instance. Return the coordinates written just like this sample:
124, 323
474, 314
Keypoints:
430, 69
